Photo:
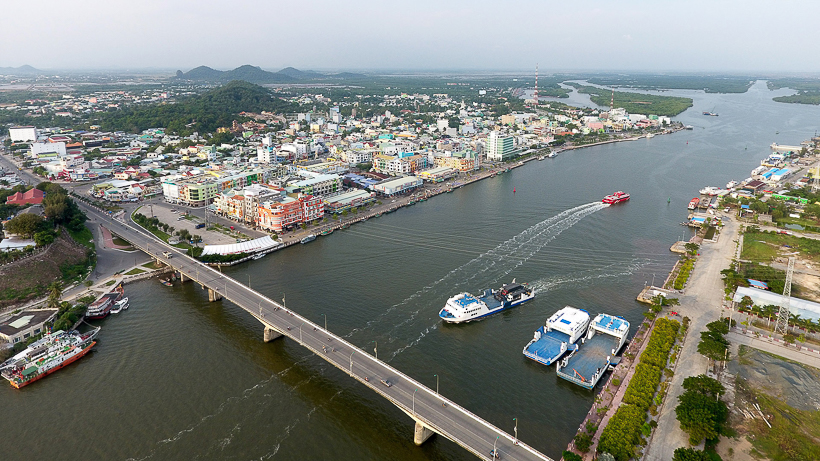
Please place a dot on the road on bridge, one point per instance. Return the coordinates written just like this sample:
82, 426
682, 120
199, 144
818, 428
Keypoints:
424, 405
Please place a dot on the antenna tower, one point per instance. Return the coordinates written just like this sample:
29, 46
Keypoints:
815, 184
535, 96
612, 101
782, 325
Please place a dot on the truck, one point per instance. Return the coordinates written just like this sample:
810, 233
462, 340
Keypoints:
167, 254
199, 226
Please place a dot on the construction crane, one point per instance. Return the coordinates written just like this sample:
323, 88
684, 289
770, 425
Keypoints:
782, 325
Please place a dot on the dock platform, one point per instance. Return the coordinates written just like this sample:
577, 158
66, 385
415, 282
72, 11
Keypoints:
549, 347
586, 366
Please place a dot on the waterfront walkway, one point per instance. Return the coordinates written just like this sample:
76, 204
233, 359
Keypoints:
432, 413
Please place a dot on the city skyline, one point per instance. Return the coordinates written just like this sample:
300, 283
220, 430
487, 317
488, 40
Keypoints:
699, 36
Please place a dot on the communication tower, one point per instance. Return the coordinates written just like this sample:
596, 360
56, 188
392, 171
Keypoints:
782, 325
612, 101
535, 96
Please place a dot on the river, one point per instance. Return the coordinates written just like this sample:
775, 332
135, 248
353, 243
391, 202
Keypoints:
177, 377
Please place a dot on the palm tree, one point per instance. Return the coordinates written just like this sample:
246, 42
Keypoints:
55, 292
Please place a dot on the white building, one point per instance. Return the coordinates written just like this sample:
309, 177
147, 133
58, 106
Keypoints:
23, 133
499, 148
39, 149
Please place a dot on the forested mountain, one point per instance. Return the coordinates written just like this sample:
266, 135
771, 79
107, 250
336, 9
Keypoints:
256, 75
203, 113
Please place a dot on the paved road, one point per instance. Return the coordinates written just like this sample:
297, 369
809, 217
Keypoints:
804, 357
701, 302
421, 403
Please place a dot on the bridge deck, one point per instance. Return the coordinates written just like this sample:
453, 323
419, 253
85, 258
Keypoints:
420, 402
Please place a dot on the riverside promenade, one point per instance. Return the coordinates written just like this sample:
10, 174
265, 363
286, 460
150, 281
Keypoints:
431, 412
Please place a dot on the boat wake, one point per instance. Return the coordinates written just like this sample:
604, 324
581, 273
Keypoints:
495, 263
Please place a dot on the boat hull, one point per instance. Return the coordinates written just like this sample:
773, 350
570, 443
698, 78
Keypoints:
68, 362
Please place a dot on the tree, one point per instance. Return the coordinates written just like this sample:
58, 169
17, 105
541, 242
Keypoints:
570, 456
691, 248
701, 416
690, 454
713, 345
55, 292
25, 224
43, 238
583, 441
704, 385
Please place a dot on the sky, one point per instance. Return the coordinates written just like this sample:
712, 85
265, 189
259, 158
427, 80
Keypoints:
624, 35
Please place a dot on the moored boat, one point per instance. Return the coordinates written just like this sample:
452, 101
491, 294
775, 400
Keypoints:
558, 335
597, 352
694, 203
465, 307
731, 184
327, 232
617, 197
100, 308
309, 238
43, 357
259, 256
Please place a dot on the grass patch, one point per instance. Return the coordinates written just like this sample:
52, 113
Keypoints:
135, 271
120, 241
758, 251
809, 248
153, 265
83, 236
710, 233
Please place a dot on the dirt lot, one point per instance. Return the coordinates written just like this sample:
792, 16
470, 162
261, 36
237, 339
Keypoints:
787, 394
22, 280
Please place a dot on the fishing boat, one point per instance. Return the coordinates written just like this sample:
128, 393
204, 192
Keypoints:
377, 215
551, 155
53, 352
327, 232
166, 282
694, 203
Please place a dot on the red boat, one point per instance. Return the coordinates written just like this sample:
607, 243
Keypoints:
694, 203
617, 197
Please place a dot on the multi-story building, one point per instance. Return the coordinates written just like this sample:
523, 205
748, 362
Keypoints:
461, 161
289, 212
406, 163
23, 133
318, 184
499, 148
202, 189
242, 205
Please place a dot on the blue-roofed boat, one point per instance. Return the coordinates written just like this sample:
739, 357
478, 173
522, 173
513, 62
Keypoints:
558, 335
465, 307
596, 353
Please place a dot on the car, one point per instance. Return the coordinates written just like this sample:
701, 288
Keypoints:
784, 232
167, 254
726, 210
199, 226
232, 228
386, 383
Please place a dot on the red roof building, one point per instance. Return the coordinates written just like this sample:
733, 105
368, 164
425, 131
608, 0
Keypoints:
33, 196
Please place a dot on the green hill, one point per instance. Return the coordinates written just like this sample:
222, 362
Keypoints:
203, 113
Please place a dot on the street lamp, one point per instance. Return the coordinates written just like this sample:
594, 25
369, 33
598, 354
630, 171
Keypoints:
325, 316
515, 440
414, 401
300, 333
249, 280
436, 384
495, 444
376, 349
351, 362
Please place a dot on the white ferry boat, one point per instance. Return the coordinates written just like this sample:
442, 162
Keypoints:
596, 353
709, 190
558, 335
465, 307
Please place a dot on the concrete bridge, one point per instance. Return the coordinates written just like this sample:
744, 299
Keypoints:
432, 413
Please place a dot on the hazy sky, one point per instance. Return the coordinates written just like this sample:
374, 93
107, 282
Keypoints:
657, 35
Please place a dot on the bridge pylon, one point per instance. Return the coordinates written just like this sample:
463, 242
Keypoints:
421, 433
271, 334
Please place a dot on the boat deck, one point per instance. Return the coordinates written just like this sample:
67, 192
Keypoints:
590, 357
548, 348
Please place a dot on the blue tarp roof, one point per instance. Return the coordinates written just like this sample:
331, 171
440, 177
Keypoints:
698, 219
758, 284
744, 207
